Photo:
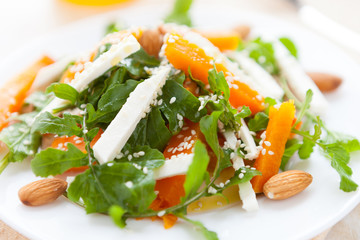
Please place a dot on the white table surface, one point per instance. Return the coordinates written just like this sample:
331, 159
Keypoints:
25, 20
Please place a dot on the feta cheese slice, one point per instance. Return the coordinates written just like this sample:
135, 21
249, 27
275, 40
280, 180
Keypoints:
246, 137
246, 192
93, 70
120, 129
51, 73
178, 165
298, 80
268, 87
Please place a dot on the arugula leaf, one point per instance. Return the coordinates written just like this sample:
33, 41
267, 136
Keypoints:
218, 82
38, 99
186, 105
263, 53
54, 161
305, 106
64, 91
291, 147
136, 63
306, 148
118, 76
180, 13
20, 141
117, 214
114, 27
247, 176
151, 131
4, 162
111, 102
339, 159
149, 158
209, 127
259, 122
245, 112
289, 44
209, 235
48, 123
197, 172
110, 184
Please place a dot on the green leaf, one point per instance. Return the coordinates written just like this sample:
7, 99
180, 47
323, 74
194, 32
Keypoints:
20, 141
110, 184
149, 158
111, 102
48, 123
289, 44
197, 171
54, 161
151, 131
259, 122
209, 235
263, 53
247, 176
218, 83
180, 13
114, 27
339, 159
116, 213
245, 112
38, 99
291, 147
4, 162
63, 91
305, 107
306, 148
136, 63
186, 105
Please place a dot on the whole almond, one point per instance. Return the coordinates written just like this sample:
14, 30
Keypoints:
325, 82
287, 184
242, 30
151, 41
42, 192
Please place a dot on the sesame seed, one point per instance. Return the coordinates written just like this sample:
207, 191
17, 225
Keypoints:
181, 124
227, 181
172, 100
170, 149
180, 149
31, 152
85, 131
221, 185
247, 166
141, 153
232, 155
253, 168
83, 106
159, 102
161, 213
110, 164
193, 132
241, 175
135, 155
180, 136
267, 143
145, 170
179, 117
129, 184
212, 190
126, 152
130, 157
270, 152
263, 152
78, 141
243, 171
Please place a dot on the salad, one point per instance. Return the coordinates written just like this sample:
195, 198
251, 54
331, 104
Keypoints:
162, 121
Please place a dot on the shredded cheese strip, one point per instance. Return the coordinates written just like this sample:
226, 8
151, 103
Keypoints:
93, 70
268, 87
246, 137
135, 108
298, 80
246, 192
178, 165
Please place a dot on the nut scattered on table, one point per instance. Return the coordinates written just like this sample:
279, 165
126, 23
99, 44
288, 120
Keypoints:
42, 191
287, 184
325, 82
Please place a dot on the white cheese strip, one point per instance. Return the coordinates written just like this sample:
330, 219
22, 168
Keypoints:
298, 80
93, 70
174, 166
246, 192
122, 126
246, 137
51, 73
212, 51
268, 87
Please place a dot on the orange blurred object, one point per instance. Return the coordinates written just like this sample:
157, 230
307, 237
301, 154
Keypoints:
97, 2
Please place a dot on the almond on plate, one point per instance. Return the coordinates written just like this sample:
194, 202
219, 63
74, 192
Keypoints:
42, 191
325, 82
287, 184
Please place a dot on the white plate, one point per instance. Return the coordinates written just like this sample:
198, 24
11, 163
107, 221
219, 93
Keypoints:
301, 217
